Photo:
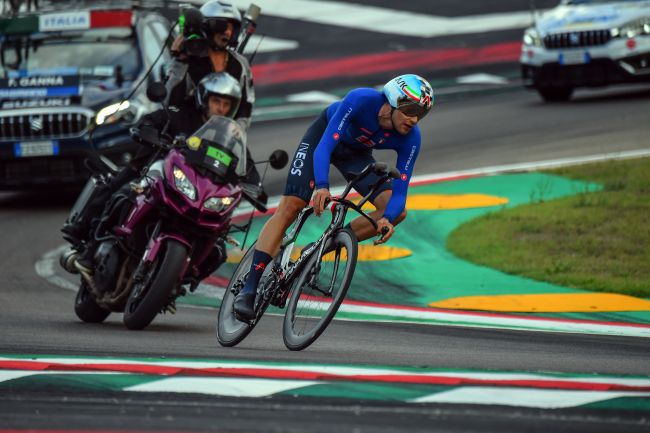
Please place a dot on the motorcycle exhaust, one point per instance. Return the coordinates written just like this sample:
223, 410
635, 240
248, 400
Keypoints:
67, 259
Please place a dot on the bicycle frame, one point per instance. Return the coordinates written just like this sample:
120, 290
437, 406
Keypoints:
286, 270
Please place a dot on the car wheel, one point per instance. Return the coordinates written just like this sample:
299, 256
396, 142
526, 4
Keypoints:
555, 94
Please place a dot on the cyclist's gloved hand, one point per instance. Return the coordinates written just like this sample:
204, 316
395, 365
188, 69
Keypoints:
385, 229
321, 198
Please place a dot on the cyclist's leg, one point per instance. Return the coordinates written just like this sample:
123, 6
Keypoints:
298, 191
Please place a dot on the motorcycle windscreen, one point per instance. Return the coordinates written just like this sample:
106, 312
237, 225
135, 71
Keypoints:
215, 158
227, 139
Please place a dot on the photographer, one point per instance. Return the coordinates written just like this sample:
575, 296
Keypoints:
207, 44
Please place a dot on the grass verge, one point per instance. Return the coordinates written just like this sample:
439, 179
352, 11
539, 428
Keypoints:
598, 241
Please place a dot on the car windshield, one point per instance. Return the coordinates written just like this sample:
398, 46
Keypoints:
229, 135
584, 2
92, 52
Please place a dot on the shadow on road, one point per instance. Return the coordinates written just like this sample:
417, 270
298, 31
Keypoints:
42, 199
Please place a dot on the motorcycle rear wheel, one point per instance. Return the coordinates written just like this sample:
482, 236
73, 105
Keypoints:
86, 308
161, 279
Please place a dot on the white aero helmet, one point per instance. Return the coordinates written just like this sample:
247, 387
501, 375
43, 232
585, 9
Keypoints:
216, 16
410, 94
220, 84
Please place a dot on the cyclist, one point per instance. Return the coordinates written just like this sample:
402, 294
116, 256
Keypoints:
345, 134
217, 94
221, 26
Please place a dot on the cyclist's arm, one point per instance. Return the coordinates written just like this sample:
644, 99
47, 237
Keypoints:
406, 156
335, 128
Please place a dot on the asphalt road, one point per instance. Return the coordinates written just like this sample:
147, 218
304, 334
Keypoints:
38, 318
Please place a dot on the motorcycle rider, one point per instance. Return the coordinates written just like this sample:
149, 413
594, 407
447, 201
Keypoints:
221, 25
345, 134
217, 94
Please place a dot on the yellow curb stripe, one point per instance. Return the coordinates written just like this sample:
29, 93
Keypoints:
547, 303
367, 253
448, 201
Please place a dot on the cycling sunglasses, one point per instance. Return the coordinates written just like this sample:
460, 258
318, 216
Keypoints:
411, 109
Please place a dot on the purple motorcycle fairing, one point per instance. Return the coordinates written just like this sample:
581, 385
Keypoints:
162, 192
205, 188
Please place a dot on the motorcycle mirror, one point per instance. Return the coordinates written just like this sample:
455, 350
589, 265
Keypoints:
156, 92
279, 159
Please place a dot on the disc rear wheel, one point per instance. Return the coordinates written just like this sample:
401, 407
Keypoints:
230, 330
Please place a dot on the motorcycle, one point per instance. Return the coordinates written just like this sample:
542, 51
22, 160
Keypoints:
168, 230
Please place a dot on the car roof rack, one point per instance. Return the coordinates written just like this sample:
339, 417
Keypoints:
21, 7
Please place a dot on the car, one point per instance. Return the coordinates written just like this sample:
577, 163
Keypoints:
65, 72
586, 43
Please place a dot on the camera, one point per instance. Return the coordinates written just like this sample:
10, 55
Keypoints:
195, 42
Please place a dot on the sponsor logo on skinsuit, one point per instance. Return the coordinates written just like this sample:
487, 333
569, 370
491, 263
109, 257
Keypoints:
347, 114
299, 160
408, 162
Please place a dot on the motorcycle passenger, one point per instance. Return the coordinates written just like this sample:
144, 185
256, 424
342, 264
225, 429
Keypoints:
344, 135
221, 26
217, 94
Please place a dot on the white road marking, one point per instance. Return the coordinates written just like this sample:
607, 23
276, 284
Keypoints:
269, 44
222, 386
313, 97
540, 398
391, 21
481, 78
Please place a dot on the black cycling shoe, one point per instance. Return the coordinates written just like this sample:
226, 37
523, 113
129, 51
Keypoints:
244, 306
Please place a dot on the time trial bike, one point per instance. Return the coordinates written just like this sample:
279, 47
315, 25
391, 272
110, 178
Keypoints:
311, 286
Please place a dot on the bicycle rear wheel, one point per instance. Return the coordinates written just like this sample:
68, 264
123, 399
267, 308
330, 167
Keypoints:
319, 290
231, 331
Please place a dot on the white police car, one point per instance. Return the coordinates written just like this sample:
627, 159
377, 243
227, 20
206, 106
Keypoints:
587, 43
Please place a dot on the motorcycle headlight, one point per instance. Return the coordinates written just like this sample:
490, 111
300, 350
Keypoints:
532, 38
130, 111
183, 184
634, 28
218, 204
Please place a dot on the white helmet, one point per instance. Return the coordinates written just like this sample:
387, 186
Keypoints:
411, 94
216, 15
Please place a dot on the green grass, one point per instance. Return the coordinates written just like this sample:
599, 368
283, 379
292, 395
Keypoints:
597, 241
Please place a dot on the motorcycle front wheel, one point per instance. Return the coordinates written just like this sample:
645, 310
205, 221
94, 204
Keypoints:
149, 299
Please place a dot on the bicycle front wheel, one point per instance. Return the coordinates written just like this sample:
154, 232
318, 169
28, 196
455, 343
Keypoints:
319, 290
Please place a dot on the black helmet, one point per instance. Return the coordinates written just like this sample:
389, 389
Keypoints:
220, 84
216, 15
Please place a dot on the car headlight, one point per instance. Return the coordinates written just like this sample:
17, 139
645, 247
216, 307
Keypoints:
218, 204
633, 28
130, 111
532, 38
183, 184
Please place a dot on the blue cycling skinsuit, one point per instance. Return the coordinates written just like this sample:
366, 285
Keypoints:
344, 135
